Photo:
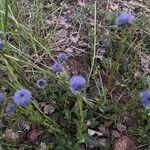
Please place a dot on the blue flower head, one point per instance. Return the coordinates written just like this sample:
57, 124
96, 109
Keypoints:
2, 97
22, 97
61, 57
124, 19
57, 67
10, 108
1, 46
145, 98
77, 83
41, 83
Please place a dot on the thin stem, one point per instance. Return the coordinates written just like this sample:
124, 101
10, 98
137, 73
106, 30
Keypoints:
50, 120
80, 117
6, 16
94, 52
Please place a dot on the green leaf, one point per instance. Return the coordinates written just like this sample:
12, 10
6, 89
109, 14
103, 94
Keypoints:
91, 140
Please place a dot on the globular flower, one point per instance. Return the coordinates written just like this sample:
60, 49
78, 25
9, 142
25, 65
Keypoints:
22, 97
1, 46
10, 108
145, 98
2, 97
41, 83
61, 57
57, 67
77, 83
124, 19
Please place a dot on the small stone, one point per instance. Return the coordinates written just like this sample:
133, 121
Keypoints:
115, 133
121, 127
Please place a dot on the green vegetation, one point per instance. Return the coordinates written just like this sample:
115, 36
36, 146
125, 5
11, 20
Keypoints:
33, 33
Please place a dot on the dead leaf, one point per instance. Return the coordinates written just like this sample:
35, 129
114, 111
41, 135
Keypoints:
128, 119
64, 22
21, 147
62, 33
145, 61
76, 66
137, 74
74, 37
43, 146
88, 123
38, 58
69, 50
100, 53
34, 134
121, 127
49, 109
114, 6
1, 148
125, 143
63, 121
84, 44
104, 131
115, 133
51, 20
61, 40
10, 134
93, 132
103, 141
81, 2
24, 126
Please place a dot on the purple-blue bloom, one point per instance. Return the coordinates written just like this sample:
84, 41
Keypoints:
22, 97
10, 108
1, 46
57, 67
61, 57
124, 19
41, 83
77, 83
2, 97
145, 98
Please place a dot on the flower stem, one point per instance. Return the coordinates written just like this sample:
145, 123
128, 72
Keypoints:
80, 116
